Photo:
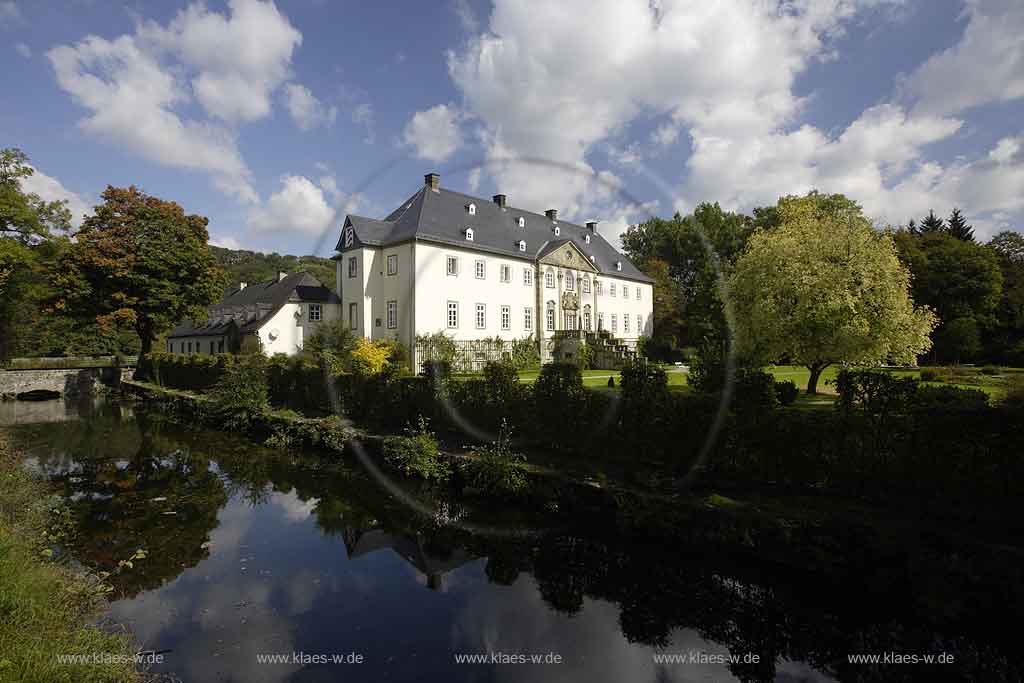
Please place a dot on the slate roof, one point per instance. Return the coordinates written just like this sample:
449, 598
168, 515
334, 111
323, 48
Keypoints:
248, 308
441, 217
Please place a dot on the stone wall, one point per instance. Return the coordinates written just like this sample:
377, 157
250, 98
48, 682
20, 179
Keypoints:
68, 382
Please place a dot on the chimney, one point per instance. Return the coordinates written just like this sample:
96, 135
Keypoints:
499, 199
281, 275
592, 226
432, 180
241, 286
552, 214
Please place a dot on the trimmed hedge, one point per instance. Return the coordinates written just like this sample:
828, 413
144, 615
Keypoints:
194, 372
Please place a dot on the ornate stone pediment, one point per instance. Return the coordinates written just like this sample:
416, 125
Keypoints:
570, 301
568, 255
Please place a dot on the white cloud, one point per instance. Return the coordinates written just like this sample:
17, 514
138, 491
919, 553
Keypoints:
225, 242
362, 115
466, 15
130, 98
1005, 149
434, 134
307, 111
238, 60
299, 206
548, 95
52, 190
474, 179
986, 65
23, 50
9, 13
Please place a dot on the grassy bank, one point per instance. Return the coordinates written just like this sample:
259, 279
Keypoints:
46, 610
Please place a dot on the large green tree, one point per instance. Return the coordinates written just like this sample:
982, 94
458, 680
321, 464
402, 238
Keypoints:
686, 256
961, 281
825, 287
139, 262
1006, 343
958, 227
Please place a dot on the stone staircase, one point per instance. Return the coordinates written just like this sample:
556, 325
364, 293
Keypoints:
609, 353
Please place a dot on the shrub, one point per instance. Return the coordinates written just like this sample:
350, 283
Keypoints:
525, 354
990, 370
753, 391
875, 393
643, 383
585, 357
417, 454
192, 372
501, 380
611, 382
786, 392
332, 343
707, 370
496, 469
558, 386
950, 398
241, 394
436, 347
437, 370
932, 375
369, 357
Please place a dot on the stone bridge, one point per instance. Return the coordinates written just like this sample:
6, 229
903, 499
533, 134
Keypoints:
73, 376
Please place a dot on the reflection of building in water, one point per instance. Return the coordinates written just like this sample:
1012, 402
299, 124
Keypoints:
359, 542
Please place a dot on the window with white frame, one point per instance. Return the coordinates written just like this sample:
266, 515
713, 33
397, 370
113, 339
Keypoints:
598, 287
586, 285
453, 314
625, 291
506, 273
452, 267
506, 318
528, 319
392, 264
392, 315
316, 313
638, 288
528, 277
611, 289
469, 234
549, 316
480, 268
600, 321
570, 320
481, 316
472, 209
586, 318
639, 324
522, 245
353, 266
625, 322
586, 238
570, 282
522, 222
549, 280
353, 316
615, 323
558, 231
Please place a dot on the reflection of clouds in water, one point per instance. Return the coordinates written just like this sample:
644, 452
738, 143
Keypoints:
515, 619
294, 509
219, 625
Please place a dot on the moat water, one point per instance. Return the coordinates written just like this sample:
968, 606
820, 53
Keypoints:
269, 566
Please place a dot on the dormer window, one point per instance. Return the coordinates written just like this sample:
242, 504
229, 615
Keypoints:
469, 234
586, 238
593, 259
618, 265
522, 222
558, 231
522, 245
472, 209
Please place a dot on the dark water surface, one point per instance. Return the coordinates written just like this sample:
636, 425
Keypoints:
253, 553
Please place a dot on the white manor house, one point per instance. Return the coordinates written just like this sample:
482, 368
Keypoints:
476, 270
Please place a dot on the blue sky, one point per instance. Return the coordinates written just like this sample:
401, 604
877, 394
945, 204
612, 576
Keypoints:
275, 120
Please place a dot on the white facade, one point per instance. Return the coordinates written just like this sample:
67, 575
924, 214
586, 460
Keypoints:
484, 295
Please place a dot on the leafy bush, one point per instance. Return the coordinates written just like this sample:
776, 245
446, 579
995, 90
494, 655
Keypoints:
502, 380
875, 393
496, 469
786, 392
436, 347
990, 370
417, 454
585, 357
753, 391
240, 396
436, 370
707, 370
949, 397
525, 354
611, 382
643, 382
933, 375
332, 343
369, 357
192, 372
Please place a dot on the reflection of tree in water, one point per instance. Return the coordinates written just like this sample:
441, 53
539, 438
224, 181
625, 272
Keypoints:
159, 499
